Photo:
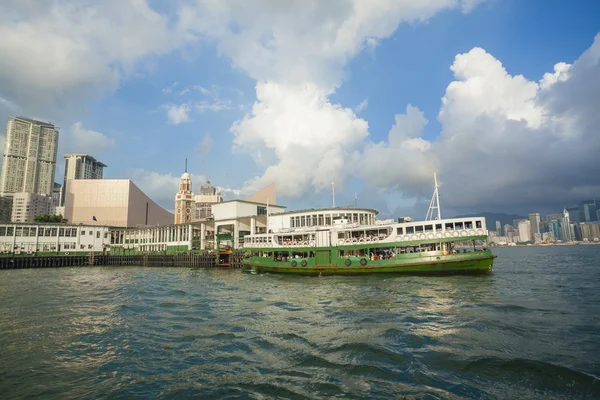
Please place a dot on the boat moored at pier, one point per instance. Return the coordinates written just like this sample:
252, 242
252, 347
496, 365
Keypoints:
352, 241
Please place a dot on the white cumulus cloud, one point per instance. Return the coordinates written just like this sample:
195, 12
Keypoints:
65, 51
310, 138
296, 51
89, 141
177, 114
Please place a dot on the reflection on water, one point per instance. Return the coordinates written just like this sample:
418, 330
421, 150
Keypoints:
528, 330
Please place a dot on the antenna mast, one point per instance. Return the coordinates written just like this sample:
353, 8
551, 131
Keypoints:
434, 205
186, 164
333, 193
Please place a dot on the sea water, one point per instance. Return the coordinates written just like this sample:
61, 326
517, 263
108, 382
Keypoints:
531, 329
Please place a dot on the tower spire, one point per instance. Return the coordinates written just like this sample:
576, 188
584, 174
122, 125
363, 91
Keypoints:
186, 164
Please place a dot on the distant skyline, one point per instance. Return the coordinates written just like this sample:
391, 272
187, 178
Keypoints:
500, 98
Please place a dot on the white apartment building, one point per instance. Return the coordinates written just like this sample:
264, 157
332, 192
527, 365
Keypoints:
29, 159
525, 231
80, 166
27, 206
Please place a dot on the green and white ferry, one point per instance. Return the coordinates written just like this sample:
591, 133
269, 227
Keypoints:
352, 241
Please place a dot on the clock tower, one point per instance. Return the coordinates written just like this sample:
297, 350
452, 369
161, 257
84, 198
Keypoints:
184, 199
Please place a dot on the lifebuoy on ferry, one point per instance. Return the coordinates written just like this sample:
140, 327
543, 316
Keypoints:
66, 253
303, 263
348, 262
354, 240
439, 235
294, 263
312, 242
376, 239
430, 236
480, 231
341, 241
422, 236
363, 261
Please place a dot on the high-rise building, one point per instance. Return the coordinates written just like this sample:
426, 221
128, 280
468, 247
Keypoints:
80, 166
567, 230
206, 197
6, 203
57, 194
590, 212
525, 231
507, 228
29, 159
534, 219
556, 229
498, 227
27, 206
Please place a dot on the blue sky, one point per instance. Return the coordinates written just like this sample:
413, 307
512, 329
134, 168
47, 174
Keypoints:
114, 79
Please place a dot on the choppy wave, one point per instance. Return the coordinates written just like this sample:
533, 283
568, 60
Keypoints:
179, 333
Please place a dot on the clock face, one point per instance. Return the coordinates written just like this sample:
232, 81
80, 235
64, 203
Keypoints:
188, 210
178, 210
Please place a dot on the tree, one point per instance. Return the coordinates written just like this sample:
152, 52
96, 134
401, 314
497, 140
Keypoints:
57, 219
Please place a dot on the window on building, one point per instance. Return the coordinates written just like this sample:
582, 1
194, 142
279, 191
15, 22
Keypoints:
91, 233
98, 235
261, 210
82, 232
400, 231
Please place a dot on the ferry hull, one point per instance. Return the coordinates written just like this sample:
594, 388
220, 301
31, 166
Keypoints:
452, 265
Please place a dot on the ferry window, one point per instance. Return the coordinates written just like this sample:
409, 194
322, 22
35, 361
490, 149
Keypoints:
61, 232
328, 220
400, 231
478, 224
449, 226
98, 235
438, 227
261, 210
3, 231
468, 224
292, 222
9, 231
428, 228
341, 235
302, 221
458, 225
419, 228
410, 229
320, 219
314, 220
82, 232
19, 231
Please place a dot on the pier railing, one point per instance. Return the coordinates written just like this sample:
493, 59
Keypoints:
204, 260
